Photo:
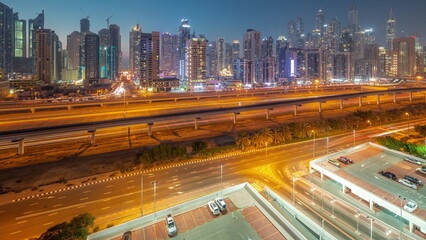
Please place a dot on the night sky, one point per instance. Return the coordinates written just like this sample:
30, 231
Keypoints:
220, 18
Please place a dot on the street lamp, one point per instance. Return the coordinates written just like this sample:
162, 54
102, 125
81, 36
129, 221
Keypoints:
408, 124
400, 215
369, 122
266, 148
354, 131
155, 197
294, 183
313, 149
312, 193
141, 194
371, 227
388, 232
357, 215
328, 143
332, 201
124, 101
221, 179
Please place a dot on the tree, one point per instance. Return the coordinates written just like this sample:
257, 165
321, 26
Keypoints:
76, 229
199, 146
244, 141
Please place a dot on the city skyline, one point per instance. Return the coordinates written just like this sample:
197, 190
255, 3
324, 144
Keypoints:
270, 21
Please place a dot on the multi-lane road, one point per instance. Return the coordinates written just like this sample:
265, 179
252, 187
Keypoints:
122, 197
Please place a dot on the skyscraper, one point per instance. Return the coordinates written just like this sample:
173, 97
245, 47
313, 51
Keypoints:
184, 35
91, 46
74, 42
296, 33
353, 20
105, 60
20, 36
6, 39
115, 48
220, 49
196, 56
390, 30
282, 46
235, 50
135, 38
319, 23
168, 53
267, 49
410, 56
44, 56
149, 68
252, 43
33, 25
85, 25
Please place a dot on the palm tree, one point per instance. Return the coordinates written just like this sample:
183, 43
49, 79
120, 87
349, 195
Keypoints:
244, 141
286, 132
266, 135
257, 140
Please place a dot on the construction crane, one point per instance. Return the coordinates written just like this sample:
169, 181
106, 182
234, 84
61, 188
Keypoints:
84, 13
107, 20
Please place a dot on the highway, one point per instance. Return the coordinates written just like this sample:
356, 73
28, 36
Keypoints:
165, 117
120, 198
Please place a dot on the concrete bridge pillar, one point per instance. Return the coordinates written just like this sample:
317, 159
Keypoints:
196, 122
92, 135
344, 188
150, 129
235, 117
69, 107
33, 110
360, 101
21, 145
394, 97
341, 103
371, 204
267, 113
320, 107
378, 100
411, 96
101, 105
295, 110
411, 226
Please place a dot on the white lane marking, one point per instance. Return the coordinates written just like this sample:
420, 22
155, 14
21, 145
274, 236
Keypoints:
62, 197
25, 213
109, 186
82, 206
180, 193
49, 223
87, 191
130, 181
129, 201
21, 222
12, 233
130, 187
32, 204
82, 199
53, 213
105, 208
107, 193
57, 205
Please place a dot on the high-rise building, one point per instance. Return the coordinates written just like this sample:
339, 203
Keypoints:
91, 46
267, 48
184, 35
235, 50
74, 41
115, 50
6, 39
353, 21
20, 36
105, 59
169, 54
220, 49
228, 57
252, 44
44, 55
196, 56
410, 56
135, 38
33, 25
319, 23
212, 60
149, 68
85, 25
281, 56
296, 33
390, 30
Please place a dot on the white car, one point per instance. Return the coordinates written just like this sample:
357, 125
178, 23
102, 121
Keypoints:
221, 203
410, 206
213, 208
171, 226
407, 183
411, 160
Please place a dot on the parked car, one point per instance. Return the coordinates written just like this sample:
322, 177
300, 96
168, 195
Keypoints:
388, 175
127, 236
221, 204
343, 160
410, 206
171, 226
411, 160
414, 180
213, 208
407, 183
334, 162
421, 170
347, 159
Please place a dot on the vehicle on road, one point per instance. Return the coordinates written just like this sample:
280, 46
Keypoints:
220, 203
343, 160
411, 160
407, 183
334, 162
410, 206
213, 208
414, 180
127, 236
388, 175
170, 225
347, 159
421, 170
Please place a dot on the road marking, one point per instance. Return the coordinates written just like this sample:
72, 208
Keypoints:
53, 213
105, 208
82, 199
129, 201
25, 213
82, 206
1, 211
130, 187
109, 186
15, 232
87, 191
130, 181
57, 205
22, 222
107, 193
49, 223
62, 197
33, 204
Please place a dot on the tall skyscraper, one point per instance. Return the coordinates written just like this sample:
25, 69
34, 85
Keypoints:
390, 30
184, 35
169, 54
105, 59
91, 46
6, 39
220, 49
282, 46
135, 38
252, 43
85, 25
196, 56
149, 68
267, 49
410, 56
115, 48
20, 36
228, 56
235, 50
353, 20
74, 42
319, 23
212, 59
44, 55
296, 33
33, 25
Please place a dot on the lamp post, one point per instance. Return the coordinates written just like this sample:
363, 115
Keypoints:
369, 122
371, 227
357, 215
408, 124
332, 201
354, 131
400, 215
328, 143
388, 232
221, 179
124, 101
266, 148
141, 194
313, 149
155, 197
312, 193
294, 183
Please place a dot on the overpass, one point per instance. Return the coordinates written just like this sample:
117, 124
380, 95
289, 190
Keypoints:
19, 135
